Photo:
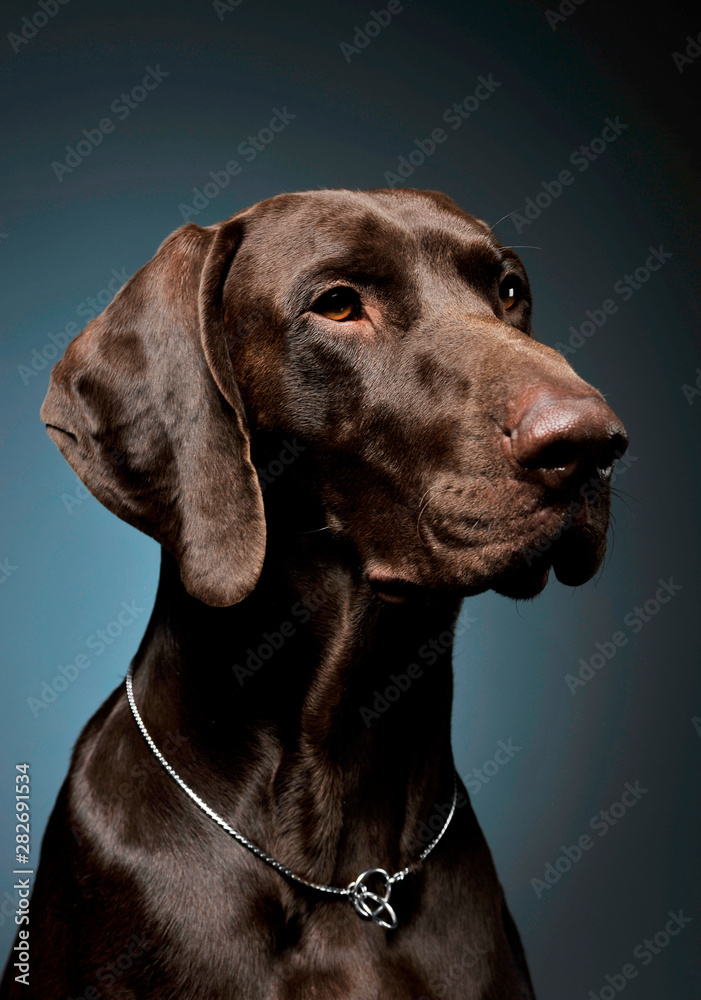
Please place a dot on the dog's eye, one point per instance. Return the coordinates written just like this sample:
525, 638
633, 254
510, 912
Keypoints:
339, 304
510, 291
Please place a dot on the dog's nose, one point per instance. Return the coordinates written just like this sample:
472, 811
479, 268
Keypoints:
562, 439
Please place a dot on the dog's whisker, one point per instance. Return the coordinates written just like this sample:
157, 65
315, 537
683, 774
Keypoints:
425, 507
429, 490
624, 497
507, 216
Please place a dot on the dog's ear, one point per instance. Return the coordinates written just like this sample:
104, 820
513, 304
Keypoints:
144, 406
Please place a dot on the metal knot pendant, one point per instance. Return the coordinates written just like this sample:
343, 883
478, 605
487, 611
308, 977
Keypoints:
368, 904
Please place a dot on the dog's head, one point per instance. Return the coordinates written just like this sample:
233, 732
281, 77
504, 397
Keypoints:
389, 333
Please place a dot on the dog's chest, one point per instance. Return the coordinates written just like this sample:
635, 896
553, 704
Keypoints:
331, 955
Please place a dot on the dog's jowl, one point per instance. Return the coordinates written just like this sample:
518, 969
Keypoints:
332, 413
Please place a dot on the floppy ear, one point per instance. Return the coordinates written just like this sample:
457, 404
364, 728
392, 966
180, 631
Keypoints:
144, 406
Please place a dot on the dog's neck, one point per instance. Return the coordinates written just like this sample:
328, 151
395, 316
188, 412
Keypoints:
317, 718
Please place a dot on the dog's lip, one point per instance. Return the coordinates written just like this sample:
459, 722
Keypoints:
539, 526
515, 558
523, 583
392, 588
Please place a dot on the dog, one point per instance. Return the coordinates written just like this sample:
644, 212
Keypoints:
332, 414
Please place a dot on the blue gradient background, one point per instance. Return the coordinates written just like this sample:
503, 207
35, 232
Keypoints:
633, 720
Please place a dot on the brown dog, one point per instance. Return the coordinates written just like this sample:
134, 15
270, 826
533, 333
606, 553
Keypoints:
354, 372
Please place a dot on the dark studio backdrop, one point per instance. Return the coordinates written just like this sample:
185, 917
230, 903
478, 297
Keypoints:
562, 705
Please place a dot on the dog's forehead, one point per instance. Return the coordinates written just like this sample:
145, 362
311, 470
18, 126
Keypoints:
362, 230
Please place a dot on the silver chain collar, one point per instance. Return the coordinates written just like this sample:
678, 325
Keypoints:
370, 905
